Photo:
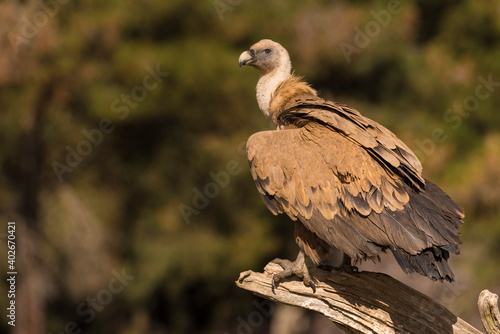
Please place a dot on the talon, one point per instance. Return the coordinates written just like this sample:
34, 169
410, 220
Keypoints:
346, 265
312, 285
326, 267
273, 284
297, 268
348, 269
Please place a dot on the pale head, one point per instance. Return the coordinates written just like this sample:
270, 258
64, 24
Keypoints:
266, 56
273, 63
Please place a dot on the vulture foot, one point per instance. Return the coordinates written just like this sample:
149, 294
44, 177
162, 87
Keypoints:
297, 268
346, 265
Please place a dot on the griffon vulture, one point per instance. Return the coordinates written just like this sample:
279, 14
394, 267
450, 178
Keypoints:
346, 181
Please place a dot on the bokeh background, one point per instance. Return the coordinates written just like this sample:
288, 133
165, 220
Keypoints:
122, 133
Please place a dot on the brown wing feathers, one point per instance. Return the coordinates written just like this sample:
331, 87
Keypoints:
356, 186
382, 144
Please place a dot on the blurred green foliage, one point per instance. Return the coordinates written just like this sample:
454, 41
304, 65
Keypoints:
119, 206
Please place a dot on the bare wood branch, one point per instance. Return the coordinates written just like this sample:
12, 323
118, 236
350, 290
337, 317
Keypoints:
488, 310
363, 302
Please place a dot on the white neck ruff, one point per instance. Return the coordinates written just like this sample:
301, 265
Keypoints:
267, 84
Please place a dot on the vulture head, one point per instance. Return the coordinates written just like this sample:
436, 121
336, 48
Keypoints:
266, 56
273, 63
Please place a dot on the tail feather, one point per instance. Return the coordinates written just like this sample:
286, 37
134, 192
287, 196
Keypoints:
431, 262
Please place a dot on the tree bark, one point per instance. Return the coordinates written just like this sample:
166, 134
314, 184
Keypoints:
488, 310
364, 302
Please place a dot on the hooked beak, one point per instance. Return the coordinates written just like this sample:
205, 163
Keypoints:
247, 58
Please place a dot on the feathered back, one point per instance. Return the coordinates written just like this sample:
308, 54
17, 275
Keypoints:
382, 144
286, 91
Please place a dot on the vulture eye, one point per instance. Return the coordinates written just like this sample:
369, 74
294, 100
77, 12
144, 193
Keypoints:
267, 51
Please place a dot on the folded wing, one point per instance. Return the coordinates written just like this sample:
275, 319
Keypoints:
358, 192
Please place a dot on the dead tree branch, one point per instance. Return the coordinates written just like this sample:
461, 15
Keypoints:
367, 302
488, 310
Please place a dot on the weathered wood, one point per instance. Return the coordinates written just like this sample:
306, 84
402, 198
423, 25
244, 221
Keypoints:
488, 310
364, 302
